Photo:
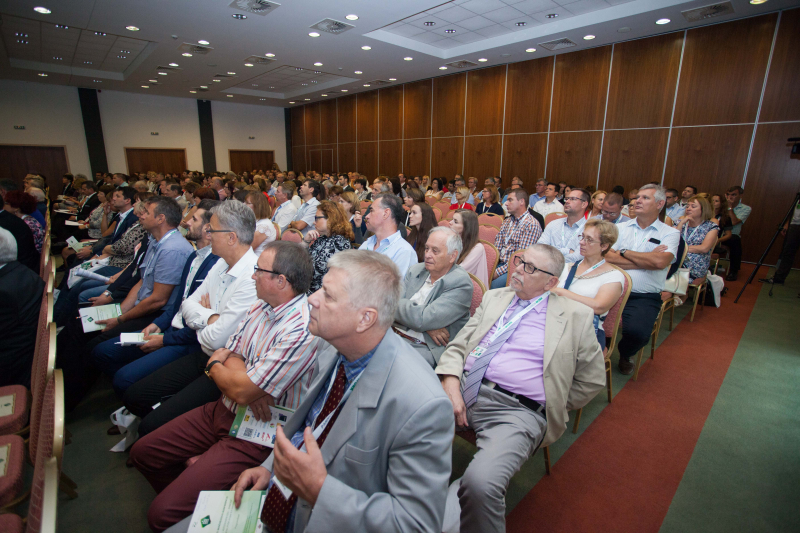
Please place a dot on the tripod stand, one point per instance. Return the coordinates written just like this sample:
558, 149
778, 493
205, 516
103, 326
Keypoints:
769, 246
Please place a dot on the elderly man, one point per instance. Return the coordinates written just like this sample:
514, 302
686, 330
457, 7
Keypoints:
645, 249
519, 230
523, 360
612, 209
383, 220
269, 360
541, 185
565, 233
436, 297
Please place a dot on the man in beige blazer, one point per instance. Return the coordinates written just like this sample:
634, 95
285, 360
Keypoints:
521, 362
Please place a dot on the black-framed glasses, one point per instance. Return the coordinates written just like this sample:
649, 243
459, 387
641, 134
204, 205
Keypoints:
256, 269
209, 230
576, 198
529, 268
318, 218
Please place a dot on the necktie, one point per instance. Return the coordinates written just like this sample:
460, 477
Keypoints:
473, 383
277, 509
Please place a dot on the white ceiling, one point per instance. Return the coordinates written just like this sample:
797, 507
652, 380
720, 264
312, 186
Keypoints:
126, 60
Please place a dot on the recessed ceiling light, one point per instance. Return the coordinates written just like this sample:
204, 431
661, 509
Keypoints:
42, 10
186, 54
262, 99
430, 23
304, 84
248, 64
122, 57
42, 74
100, 33
324, 95
521, 24
270, 55
756, 2
272, 87
162, 73
314, 81
450, 31
366, 85
255, 85
313, 34
204, 86
366, 48
145, 86
442, 68
97, 81
351, 17
60, 27
530, 50
239, 16
58, 58
552, 15
229, 96
193, 92
23, 35
483, 60
87, 62
307, 99
358, 72
344, 90
132, 28
298, 68
231, 74
317, 64
216, 80
663, 21
505, 55
173, 64
408, 59
316, 72
203, 42
153, 81
588, 37
392, 79
22, 41
291, 102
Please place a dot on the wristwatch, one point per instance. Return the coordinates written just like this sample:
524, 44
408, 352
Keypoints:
622, 252
208, 368
107, 293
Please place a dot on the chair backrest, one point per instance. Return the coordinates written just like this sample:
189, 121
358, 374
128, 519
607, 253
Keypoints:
51, 278
487, 233
44, 259
614, 316
554, 216
431, 200
478, 290
437, 213
277, 231
444, 205
292, 235
44, 497
492, 256
364, 206
445, 223
490, 219
449, 214
50, 451
42, 375
511, 265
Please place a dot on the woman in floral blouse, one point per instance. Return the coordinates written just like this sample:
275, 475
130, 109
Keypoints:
332, 233
700, 235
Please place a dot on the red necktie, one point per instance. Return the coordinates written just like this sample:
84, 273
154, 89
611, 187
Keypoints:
277, 509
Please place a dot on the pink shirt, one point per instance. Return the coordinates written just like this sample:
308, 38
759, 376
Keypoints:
518, 365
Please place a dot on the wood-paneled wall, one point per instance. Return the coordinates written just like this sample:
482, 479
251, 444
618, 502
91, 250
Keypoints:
710, 107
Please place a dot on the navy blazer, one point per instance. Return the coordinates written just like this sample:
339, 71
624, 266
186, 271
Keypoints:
184, 335
129, 221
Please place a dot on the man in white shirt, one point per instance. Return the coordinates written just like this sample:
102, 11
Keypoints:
565, 233
304, 218
285, 210
549, 204
383, 220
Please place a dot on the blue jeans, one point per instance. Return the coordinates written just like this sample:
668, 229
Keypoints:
68, 300
500, 282
91, 293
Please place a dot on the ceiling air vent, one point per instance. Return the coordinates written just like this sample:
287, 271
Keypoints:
259, 60
195, 49
462, 64
200, 89
332, 26
707, 12
256, 7
162, 67
558, 44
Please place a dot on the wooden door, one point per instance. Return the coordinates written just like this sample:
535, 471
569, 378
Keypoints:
47, 161
167, 160
249, 160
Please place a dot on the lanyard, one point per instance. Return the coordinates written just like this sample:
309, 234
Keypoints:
155, 248
501, 327
321, 427
595, 267
689, 235
516, 227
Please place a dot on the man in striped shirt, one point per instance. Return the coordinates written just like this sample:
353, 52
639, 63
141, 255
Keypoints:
269, 360
518, 232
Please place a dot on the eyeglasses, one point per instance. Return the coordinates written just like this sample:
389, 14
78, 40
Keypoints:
209, 230
609, 214
587, 240
528, 267
317, 218
577, 198
256, 269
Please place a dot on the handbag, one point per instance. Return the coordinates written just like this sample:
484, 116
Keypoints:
678, 283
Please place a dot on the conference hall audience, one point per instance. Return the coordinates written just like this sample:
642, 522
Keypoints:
285, 210
436, 297
265, 230
737, 215
563, 233
22, 205
541, 185
549, 204
352, 207
436, 189
412, 197
490, 202
383, 220
518, 232
26, 252
700, 234
494, 374
598, 197
269, 360
473, 254
332, 233
461, 196
612, 209
421, 220
304, 218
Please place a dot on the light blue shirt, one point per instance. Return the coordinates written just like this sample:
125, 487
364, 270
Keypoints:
396, 248
561, 235
470, 200
675, 212
163, 263
742, 212
306, 213
621, 218
633, 237
534, 198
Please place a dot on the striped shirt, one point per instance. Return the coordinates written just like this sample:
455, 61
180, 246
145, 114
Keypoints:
515, 234
279, 351
561, 235
633, 237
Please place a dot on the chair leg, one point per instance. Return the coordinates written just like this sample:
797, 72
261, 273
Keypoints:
69, 491
608, 380
65, 479
638, 364
547, 459
671, 316
694, 306
577, 420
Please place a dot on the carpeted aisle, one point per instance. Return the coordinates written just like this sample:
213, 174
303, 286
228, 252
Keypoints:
622, 472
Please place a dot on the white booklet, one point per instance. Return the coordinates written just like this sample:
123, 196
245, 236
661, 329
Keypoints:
74, 244
246, 427
71, 223
133, 339
215, 512
64, 211
90, 316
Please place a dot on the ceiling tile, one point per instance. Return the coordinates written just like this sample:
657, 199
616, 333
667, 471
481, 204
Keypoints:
442, 7
406, 30
468, 37
529, 23
427, 37
443, 31
560, 11
617, 2
586, 6
492, 31
483, 6
504, 15
455, 14
475, 23
535, 6
446, 43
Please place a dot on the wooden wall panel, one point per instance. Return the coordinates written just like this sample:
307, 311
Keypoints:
416, 156
346, 115
710, 158
643, 81
49, 161
322, 158
390, 162
632, 158
159, 159
723, 72
299, 159
780, 99
390, 106
314, 158
528, 96
347, 157
367, 155
447, 159
573, 157
298, 126
327, 115
312, 124
482, 156
417, 110
773, 179
579, 90
367, 116
486, 90
524, 156
448, 105
248, 160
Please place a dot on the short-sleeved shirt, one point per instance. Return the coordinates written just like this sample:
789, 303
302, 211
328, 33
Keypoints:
306, 213
742, 212
163, 263
633, 237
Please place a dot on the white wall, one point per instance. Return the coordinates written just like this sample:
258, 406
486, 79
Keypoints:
235, 123
51, 115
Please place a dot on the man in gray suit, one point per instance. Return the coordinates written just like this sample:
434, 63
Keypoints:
436, 297
523, 360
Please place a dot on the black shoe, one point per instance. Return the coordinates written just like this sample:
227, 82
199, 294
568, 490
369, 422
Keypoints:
625, 366
733, 276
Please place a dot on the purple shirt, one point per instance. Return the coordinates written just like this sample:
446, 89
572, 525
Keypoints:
519, 364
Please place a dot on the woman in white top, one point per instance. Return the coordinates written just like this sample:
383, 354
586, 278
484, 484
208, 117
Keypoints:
592, 281
265, 229
473, 254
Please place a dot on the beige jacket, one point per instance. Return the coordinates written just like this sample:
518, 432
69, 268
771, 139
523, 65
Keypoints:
573, 362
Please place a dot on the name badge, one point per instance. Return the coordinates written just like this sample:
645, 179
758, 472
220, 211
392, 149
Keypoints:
476, 352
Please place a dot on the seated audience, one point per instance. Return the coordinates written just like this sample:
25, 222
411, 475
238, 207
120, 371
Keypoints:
512, 375
436, 297
490, 202
737, 213
598, 197
461, 198
383, 220
26, 252
688, 192
591, 281
285, 210
421, 221
612, 209
541, 185
549, 204
304, 218
332, 233
269, 360
362, 192
674, 208
22, 204
412, 197
700, 234
436, 189
518, 232
563, 233
352, 208
265, 230
473, 254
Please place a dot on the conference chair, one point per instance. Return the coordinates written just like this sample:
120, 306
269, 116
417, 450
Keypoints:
445, 223
277, 231
700, 286
487, 233
431, 200
478, 290
492, 255
292, 235
670, 303
554, 216
437, 213
490, 219
44, 498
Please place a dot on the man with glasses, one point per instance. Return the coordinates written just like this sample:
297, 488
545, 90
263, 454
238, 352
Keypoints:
565, 232
519, 364
269, 360
541, 185
674, 208
612, 209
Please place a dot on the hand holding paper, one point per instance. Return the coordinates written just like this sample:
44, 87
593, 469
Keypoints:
258, 477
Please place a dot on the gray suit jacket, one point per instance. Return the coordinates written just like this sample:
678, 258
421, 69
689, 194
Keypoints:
388, 454
447, 306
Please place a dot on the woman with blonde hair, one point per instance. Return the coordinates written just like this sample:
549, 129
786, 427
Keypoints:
596, 207
462, 195
331, 234
265, 229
